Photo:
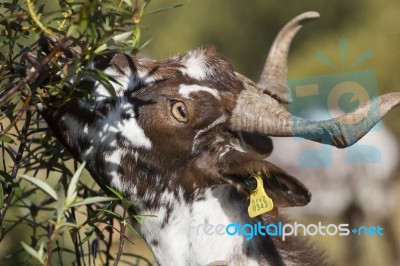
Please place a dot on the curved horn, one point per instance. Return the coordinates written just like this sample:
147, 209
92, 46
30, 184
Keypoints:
256, 112
259, 113
274, 74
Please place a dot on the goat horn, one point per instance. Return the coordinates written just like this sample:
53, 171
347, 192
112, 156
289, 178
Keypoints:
274, 75
257, 112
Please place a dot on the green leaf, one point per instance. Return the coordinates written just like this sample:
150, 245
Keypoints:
145, 43
60, 204
42, 185
133, 230
120, 10
71, 192
6, 139
94, 200
116, 193
5, 177
68, 225
126, 204
116, 215
163, 9
103, 78
32, 252
122, 36
128, 2
101, 48
41, 250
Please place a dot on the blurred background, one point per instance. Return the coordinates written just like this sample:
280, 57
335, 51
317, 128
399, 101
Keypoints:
356, 194
242, 31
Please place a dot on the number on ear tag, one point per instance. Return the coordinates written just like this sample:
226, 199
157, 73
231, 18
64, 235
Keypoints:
259, 201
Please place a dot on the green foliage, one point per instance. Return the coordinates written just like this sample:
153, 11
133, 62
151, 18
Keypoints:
67, 218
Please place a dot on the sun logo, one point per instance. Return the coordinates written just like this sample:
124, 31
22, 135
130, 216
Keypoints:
327, 96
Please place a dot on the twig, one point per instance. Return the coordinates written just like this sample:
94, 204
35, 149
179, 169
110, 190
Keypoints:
32, 74
60, 262
3, 153
121, 242
3, 229
19, 114
36, 18
75, 238
109, 243
18, 158
50, 232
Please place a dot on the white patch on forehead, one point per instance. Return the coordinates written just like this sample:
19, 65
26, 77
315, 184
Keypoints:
195, 66
186, 90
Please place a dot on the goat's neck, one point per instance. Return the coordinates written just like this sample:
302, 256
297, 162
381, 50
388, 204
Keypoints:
193, 232
177, 235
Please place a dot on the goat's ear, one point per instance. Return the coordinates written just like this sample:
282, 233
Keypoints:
284, 189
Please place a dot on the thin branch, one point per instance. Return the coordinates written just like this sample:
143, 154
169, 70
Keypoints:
3, 153
59, 253
19, 114
75, 238
32, 74
121, 242
50, 237
18, 158
36, 18
110, 237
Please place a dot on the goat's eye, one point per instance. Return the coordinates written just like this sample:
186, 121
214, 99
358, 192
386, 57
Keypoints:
178, 110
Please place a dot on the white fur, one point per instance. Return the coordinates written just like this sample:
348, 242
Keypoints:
135, 134
186, 90
114, 161
190, 247
124, 81
104, 132
195, 66
129, 128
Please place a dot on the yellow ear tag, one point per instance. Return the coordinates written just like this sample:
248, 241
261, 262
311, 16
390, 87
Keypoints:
259, 201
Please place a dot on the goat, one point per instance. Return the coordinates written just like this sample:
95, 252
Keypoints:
178, 139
